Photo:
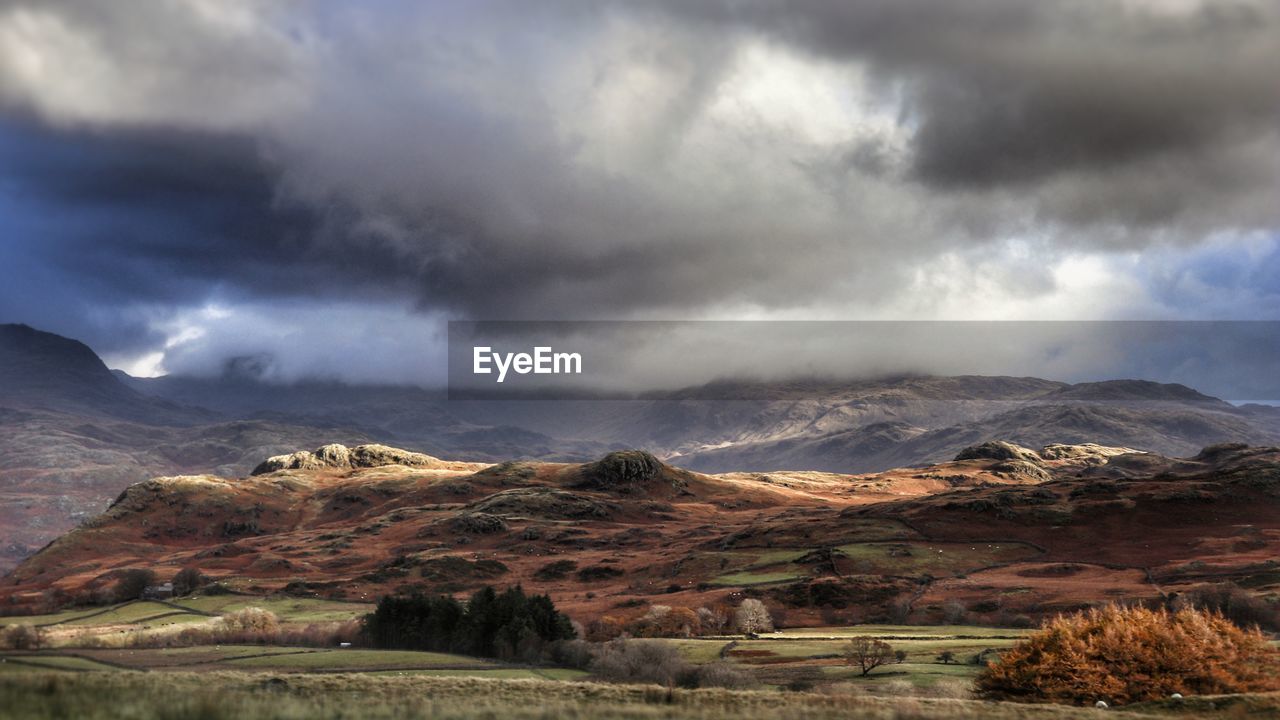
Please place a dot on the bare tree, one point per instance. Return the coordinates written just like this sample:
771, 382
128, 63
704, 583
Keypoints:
753, 617
867, 653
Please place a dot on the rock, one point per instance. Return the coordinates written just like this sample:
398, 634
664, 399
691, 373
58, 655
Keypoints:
1083, 451
334, 455
301, 460
382, 455
1101, 705
998, 450
1022, 470
627, 471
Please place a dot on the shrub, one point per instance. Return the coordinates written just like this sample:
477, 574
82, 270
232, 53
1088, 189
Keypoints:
1235, 603
718, 674
596, 573
639, 661
249, 625
1125, 655
666, 621
712, 621
21, 637
556, 570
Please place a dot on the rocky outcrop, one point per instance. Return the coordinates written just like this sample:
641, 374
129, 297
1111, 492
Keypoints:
998, 450
342, 457
628, 472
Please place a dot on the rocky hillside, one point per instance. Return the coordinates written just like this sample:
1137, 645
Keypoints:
1038, 530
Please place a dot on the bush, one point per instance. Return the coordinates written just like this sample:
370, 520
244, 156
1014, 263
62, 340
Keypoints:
666, 621
717, 675
249, 625
1125, 655
1235, 603
639, 661
21, 637
556, 570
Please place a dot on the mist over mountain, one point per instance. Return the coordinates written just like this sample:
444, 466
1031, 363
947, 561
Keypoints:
74, 434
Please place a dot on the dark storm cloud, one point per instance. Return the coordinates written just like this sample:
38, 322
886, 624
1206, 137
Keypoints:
569, 160
1007, 93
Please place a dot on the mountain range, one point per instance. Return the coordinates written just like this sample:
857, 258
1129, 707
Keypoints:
74, 434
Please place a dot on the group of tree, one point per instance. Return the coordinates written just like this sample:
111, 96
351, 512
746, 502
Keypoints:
134, 583
507, 625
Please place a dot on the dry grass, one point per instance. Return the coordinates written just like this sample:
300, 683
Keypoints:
213, 696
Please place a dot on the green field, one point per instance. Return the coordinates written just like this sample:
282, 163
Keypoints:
137, 613
494, 673
28, 663
900, 631
748, 577
356, 659
299, 610
50, 619
916, 558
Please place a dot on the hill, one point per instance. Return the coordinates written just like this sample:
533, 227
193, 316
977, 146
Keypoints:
1005, 535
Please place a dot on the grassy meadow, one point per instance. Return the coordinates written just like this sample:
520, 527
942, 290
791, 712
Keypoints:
92, 665
215, 696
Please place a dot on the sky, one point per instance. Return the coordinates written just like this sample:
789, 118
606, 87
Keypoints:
313, 189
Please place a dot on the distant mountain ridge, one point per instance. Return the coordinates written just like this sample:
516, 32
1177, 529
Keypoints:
73, 434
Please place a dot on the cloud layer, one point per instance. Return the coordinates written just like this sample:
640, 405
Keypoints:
906, 159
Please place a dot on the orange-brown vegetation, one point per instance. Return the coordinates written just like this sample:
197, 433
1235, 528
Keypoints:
1122, 655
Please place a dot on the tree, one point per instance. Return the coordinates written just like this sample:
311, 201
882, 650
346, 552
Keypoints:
1125, 655
752, 617
900, 656
187, 581
867, 653
133, 583
946, 657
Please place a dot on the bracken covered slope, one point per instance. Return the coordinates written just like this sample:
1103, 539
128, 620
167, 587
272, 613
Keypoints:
1002, 533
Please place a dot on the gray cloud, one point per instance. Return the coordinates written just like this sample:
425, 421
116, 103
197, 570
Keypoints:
569, 160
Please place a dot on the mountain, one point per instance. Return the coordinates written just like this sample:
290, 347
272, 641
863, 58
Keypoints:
73, 434
46, 371
840, 426
1007, 534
